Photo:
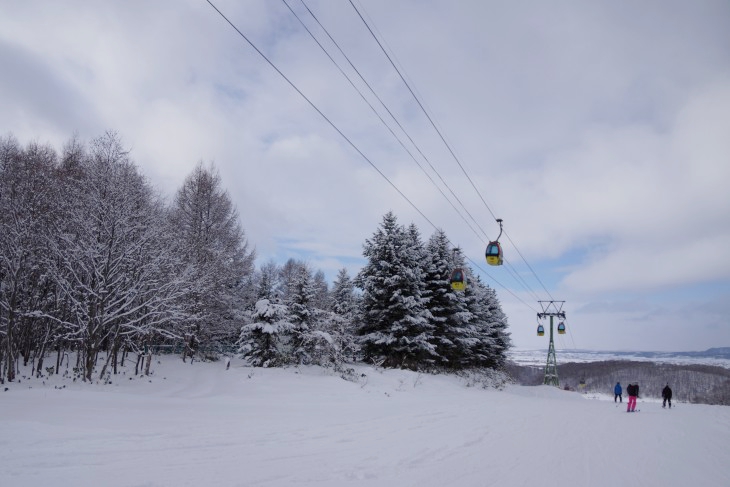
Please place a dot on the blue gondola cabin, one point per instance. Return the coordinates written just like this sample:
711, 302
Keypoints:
540, 330
561, 328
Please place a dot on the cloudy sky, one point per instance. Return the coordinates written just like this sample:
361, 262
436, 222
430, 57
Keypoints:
599, 131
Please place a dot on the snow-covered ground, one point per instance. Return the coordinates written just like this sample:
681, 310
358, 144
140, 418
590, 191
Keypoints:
203, 425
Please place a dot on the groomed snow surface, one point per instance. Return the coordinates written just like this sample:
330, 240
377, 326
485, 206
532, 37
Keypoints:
203, 425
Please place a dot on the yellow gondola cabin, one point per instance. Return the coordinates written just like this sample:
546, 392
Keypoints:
458, 280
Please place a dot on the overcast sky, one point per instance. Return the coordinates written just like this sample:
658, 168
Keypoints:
599, 132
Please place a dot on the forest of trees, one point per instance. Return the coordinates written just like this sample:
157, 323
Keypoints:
92, 259
95, 265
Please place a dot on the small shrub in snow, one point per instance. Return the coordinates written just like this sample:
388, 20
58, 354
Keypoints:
485, 378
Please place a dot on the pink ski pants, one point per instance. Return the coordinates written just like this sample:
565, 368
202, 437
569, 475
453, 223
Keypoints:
632, 403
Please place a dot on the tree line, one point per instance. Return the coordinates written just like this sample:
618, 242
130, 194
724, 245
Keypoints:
398, 311
92, 258
693, 383
96, 264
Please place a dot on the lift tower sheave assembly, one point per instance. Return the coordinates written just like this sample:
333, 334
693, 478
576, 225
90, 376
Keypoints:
551, 309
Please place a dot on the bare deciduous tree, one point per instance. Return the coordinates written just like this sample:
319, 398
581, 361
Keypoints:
215, 250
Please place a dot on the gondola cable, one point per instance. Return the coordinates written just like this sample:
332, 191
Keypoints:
372, 108
390, 113
511, 270
347, 139
448, 146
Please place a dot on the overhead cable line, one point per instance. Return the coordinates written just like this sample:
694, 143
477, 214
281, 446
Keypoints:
400, 142
495, 280
395, 119
347, 139
510, 269
440, 134
318, 111
433, 124
397, 122
528, 265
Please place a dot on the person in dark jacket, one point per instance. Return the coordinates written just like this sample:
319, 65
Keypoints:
633, 391
617, 393
667, 396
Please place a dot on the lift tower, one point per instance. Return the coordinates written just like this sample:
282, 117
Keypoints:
552, 309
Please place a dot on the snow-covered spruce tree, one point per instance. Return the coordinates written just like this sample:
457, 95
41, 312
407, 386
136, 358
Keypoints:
311, 334
498, 325
286, 277
344, 301
450, 317
395, 327
488, 326
215, 249
321, 291
334, 344
317, 332
265, 341
267, 282
344, 308
301, 309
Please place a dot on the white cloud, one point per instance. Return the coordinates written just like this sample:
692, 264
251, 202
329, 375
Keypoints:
597, 131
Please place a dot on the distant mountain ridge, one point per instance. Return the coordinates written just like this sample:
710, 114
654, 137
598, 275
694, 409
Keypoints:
722, 352
719, 356
716, 352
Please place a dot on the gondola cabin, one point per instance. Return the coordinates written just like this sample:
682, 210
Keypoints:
540, 330
494, 253
458, 280
561, 328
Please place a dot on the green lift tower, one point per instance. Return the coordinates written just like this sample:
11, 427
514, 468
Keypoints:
551, 309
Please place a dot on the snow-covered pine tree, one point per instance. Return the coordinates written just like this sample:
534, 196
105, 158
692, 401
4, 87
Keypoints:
301, 309
395, 326
264, 342
499, 334
449, 314
342, 324
488, 325
266, 279
344, 301
335, 345
286, 278
318, 335
321, 291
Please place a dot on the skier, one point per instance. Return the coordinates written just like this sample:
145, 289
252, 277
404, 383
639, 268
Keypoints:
617, 393
667, 396
633, 391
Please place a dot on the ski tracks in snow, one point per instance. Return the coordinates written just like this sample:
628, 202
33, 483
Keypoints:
203, 425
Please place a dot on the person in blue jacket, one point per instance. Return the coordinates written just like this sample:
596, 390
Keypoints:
617, 393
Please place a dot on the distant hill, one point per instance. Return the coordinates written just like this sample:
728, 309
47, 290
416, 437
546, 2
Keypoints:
720, 352
694, 383
719, 356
